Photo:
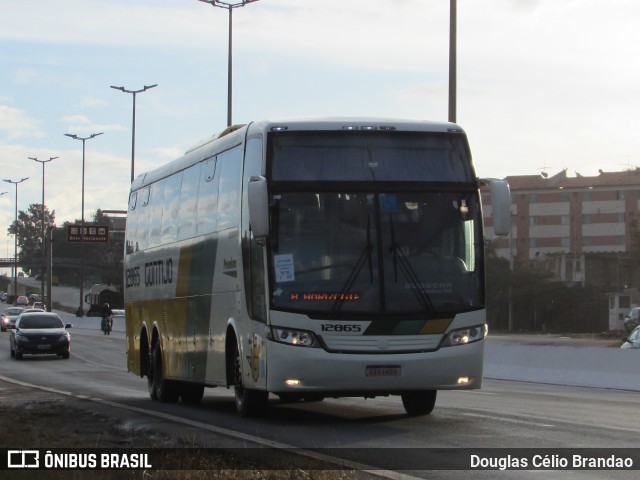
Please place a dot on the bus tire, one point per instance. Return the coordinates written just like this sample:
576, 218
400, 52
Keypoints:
192, 393
249, 402
419, 402
159, 387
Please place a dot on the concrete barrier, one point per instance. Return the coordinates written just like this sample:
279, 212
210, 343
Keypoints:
599, 367
91, 323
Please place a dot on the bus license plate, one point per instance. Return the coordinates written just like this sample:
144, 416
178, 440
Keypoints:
383, 371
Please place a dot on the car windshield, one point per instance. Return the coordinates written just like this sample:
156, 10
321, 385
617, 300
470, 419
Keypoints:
37, 322
13, 311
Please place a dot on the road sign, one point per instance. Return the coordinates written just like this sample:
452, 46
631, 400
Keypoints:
92, 233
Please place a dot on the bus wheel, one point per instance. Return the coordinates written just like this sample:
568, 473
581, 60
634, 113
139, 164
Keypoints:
192, 393
249, 402
160, 388
419, 402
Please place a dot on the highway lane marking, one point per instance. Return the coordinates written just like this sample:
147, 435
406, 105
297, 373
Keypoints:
492, 416
223, 431
509, 420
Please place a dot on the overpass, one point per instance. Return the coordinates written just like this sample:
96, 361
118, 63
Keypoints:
6, 262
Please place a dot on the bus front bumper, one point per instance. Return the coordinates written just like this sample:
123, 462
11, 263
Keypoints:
314, 370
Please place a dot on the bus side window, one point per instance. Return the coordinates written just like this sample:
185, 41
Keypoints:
142, 232
207, 198
170, 208
155, 212
188, 202
252, 253
229, 190
132, 223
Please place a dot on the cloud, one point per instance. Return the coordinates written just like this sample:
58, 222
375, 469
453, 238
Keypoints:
90, 102
81, 125
16, 123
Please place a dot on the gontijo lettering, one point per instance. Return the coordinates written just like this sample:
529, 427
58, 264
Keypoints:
158, 272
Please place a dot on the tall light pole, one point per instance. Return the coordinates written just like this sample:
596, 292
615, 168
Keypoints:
44, 242
15, 236
229, 5
80, 311
133, 128
1, 194
452, 60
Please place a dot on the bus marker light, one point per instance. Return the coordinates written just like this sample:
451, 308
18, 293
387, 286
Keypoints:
292, 382
464, 380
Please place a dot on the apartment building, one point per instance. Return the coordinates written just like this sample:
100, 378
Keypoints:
576, 227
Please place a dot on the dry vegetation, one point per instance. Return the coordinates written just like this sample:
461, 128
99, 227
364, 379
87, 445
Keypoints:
37, 419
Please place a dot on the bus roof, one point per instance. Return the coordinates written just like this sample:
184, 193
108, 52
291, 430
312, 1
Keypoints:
354, 123
233, 135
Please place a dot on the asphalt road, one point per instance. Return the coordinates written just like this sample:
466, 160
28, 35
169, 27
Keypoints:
373, 432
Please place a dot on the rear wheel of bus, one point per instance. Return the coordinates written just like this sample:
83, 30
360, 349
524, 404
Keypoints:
420, 402
159, 387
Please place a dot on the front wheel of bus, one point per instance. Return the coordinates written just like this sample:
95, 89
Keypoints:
419, 402
249, 402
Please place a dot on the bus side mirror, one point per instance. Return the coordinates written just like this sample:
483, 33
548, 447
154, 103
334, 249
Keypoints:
258, 206
500, 205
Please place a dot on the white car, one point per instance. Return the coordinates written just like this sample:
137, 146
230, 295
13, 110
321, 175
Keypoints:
9, 317
633, 340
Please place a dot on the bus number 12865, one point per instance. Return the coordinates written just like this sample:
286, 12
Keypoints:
341, 327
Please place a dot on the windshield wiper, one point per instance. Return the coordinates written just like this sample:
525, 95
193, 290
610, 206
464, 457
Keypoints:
353, 276
399, 258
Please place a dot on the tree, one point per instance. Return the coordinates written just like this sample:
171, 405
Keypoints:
29, 234
538, 301
103, 262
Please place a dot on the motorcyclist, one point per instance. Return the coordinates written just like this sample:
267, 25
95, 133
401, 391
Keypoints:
106, 315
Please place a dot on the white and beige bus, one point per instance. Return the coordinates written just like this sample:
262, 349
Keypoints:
311, 259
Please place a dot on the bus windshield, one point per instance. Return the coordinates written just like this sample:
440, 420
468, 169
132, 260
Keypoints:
376, 253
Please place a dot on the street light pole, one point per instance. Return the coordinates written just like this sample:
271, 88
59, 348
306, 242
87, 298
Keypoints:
452, 60
80, 311
44, 242
133, 127
15, 236
1, 194
229, 5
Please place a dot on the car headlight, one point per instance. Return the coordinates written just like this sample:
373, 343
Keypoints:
64, 338
466, 335
22, 338
299, 338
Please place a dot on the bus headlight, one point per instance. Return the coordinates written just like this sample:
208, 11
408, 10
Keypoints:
463, 336
299, 338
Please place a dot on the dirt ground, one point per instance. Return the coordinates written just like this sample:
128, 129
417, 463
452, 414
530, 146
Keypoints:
32, 418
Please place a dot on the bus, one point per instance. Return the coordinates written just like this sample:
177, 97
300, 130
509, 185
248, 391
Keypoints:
310, 259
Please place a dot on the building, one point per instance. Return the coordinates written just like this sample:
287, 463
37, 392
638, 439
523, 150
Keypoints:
579, 228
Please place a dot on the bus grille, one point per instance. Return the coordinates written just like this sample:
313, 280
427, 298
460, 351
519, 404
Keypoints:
382, 344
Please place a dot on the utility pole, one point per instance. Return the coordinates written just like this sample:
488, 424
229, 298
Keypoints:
452, 60
229, 6
80, 311
133, 127
44, 242
15, 245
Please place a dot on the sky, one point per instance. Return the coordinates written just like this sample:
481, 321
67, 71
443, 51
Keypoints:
542, 85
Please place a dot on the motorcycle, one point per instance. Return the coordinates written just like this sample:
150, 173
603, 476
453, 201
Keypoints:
107, 324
